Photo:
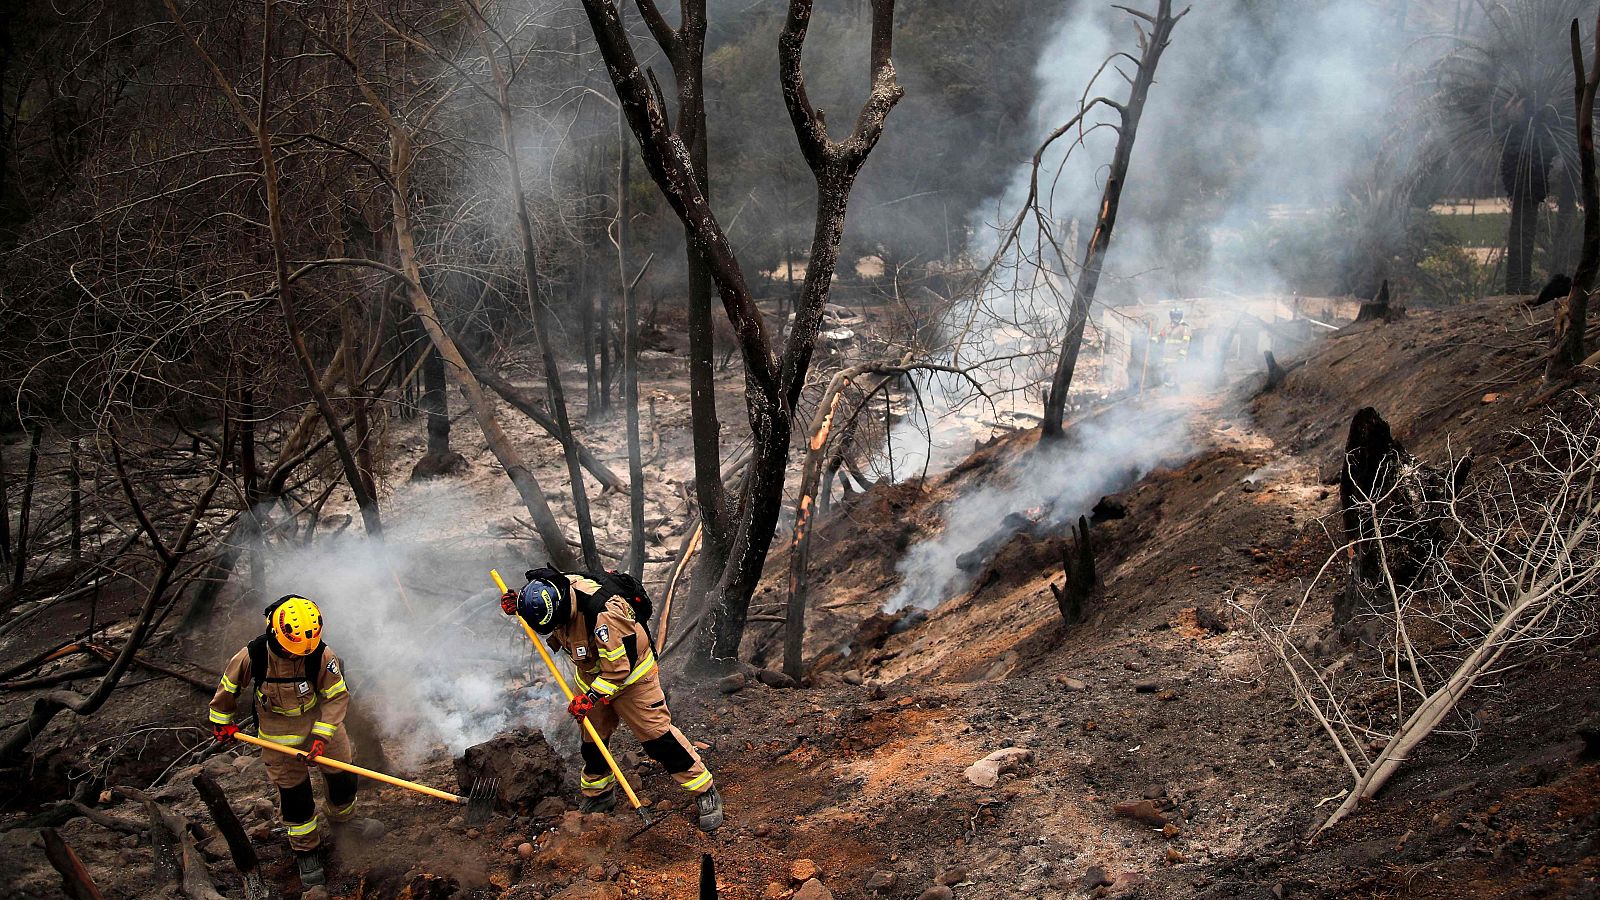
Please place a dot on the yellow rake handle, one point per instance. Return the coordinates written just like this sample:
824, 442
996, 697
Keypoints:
355, 770
567, 692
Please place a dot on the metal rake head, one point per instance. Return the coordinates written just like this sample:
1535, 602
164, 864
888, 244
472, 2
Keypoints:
480, 800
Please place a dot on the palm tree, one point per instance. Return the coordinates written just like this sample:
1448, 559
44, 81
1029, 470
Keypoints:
1505, 103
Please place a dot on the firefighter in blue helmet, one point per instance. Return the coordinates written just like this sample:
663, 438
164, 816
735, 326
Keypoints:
596, 621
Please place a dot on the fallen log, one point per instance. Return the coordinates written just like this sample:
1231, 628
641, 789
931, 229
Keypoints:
239, 847
75, 880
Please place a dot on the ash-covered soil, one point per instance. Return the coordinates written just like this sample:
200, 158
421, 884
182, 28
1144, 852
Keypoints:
1165, 756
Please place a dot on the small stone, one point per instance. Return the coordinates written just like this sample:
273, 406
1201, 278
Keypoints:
1072, 684
525, 850
882, 882
1148, 686
1167, 696
774, 679
1154, 792
317, 893
732, 684
813, 890
763, 829
1170, 830
701, 745
474, 834
803, 870
597, 872
1093, 878
1491, 397
1141, 811
1174, 857
774, 891
952, 876
986, 772
854, 677
937, 892
1126, 883
549, 808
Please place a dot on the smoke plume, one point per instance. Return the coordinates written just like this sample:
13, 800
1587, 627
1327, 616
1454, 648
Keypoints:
417, 621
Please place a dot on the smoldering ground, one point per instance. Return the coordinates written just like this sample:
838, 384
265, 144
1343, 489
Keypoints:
417, 621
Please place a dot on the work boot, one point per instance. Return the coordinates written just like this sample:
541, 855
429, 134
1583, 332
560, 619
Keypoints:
310, 865
710, 806
359, 828
603, 803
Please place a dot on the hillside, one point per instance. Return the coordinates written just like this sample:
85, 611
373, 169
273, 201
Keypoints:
1160, 694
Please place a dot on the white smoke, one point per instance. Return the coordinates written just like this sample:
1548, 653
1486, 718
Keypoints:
417, 621
1101, 455
1259, 112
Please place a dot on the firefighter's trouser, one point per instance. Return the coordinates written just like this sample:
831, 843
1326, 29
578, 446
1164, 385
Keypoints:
643, 708
292, 777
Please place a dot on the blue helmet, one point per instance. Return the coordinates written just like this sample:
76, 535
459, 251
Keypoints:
540, 606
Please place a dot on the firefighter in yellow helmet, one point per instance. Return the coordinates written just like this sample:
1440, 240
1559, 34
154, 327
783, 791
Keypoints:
296, 685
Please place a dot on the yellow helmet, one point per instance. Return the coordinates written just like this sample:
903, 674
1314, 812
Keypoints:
296, 624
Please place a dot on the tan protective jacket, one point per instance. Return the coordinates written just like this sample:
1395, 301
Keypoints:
287, 712
615, 654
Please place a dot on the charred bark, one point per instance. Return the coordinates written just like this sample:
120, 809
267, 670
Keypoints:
25, 511
75, 879
530, 270
772, 385
1081, 580
1380, 308
1152, 46
1572, 314
630, 361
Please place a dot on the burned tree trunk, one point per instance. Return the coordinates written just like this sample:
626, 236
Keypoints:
439, 460
684, 48
530, 270
772, 383
630, 360
25, 509
1572, 314
1152, 46
1081, 581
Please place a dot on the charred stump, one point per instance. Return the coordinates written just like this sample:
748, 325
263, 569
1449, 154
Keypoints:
1560, 285
1380, 308
1081, 581
1392, 506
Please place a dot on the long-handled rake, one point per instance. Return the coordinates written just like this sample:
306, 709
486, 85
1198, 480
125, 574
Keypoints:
616, 772
479, 800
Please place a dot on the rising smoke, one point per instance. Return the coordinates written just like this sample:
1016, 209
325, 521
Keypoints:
1261, 113
417, 621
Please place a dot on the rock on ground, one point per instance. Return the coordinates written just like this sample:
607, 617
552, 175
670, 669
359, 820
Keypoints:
813, 890
526, 766
986, 772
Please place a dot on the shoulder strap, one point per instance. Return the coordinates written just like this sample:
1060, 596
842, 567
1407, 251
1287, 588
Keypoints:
258, 660
314, 665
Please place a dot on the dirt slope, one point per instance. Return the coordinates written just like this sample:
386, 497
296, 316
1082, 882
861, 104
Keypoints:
861, 771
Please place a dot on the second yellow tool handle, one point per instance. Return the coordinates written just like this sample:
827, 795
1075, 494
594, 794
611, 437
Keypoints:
616, 771
354, 769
